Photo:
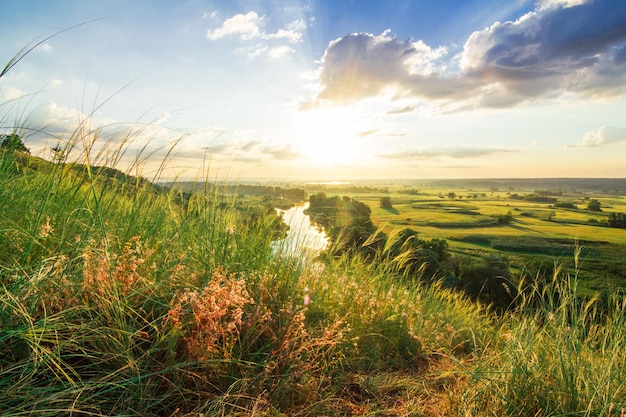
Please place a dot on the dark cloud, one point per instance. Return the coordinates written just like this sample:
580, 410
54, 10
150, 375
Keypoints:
579, 49
551, 42
452, 152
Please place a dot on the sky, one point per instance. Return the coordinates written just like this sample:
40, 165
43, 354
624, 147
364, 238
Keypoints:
321, 90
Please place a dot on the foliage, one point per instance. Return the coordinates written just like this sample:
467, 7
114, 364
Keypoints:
345, 220
385, 203
617, 220
594, 205
13, 142
566, 204
410, 191
488, 280
505, 218
415, 258
539, 198
134, 301
115, 301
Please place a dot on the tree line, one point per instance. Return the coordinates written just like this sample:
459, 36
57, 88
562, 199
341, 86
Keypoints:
617, 220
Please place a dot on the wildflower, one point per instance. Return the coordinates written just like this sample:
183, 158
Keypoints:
210, 318
46, 229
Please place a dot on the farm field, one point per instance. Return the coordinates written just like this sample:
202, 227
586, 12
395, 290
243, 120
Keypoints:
537, 233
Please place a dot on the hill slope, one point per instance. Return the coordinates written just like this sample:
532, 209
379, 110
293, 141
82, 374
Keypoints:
116, 299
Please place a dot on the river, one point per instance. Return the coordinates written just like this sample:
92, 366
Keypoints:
304, 239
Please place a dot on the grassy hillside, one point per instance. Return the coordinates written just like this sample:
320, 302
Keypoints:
118, 298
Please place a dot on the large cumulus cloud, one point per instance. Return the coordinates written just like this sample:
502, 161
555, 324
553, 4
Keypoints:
562, 47
362, 65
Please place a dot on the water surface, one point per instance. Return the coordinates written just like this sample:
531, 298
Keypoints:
303, 239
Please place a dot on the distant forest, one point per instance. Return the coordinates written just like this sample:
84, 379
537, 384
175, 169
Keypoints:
609, 185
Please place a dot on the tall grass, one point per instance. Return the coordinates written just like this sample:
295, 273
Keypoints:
118, 297
560, 354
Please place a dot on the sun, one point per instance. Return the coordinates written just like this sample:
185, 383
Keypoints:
330, 137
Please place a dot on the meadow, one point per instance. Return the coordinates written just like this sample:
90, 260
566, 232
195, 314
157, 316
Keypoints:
547, 233
119, 296
123, 298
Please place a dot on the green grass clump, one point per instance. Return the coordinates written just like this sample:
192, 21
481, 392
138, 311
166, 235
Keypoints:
560, 354
119, 297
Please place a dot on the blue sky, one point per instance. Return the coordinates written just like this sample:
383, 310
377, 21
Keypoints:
326, 89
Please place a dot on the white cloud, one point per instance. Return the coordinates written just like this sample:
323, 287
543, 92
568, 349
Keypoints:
289, 35
279, 52
251, 27
49, 124
551, 52
246, 26
401, 110
297, 25
425, 60
11, 93
362, 65
210, 15
605, 135
544, 4
55, 120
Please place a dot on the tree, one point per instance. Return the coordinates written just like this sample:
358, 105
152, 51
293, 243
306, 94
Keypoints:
385, 203
487, 280
594, 205
415, 257
451, 195
58, 154
347, 222
13, 142
505, 218
617, 220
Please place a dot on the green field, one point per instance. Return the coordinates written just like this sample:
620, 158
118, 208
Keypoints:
121, 297
538, 233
